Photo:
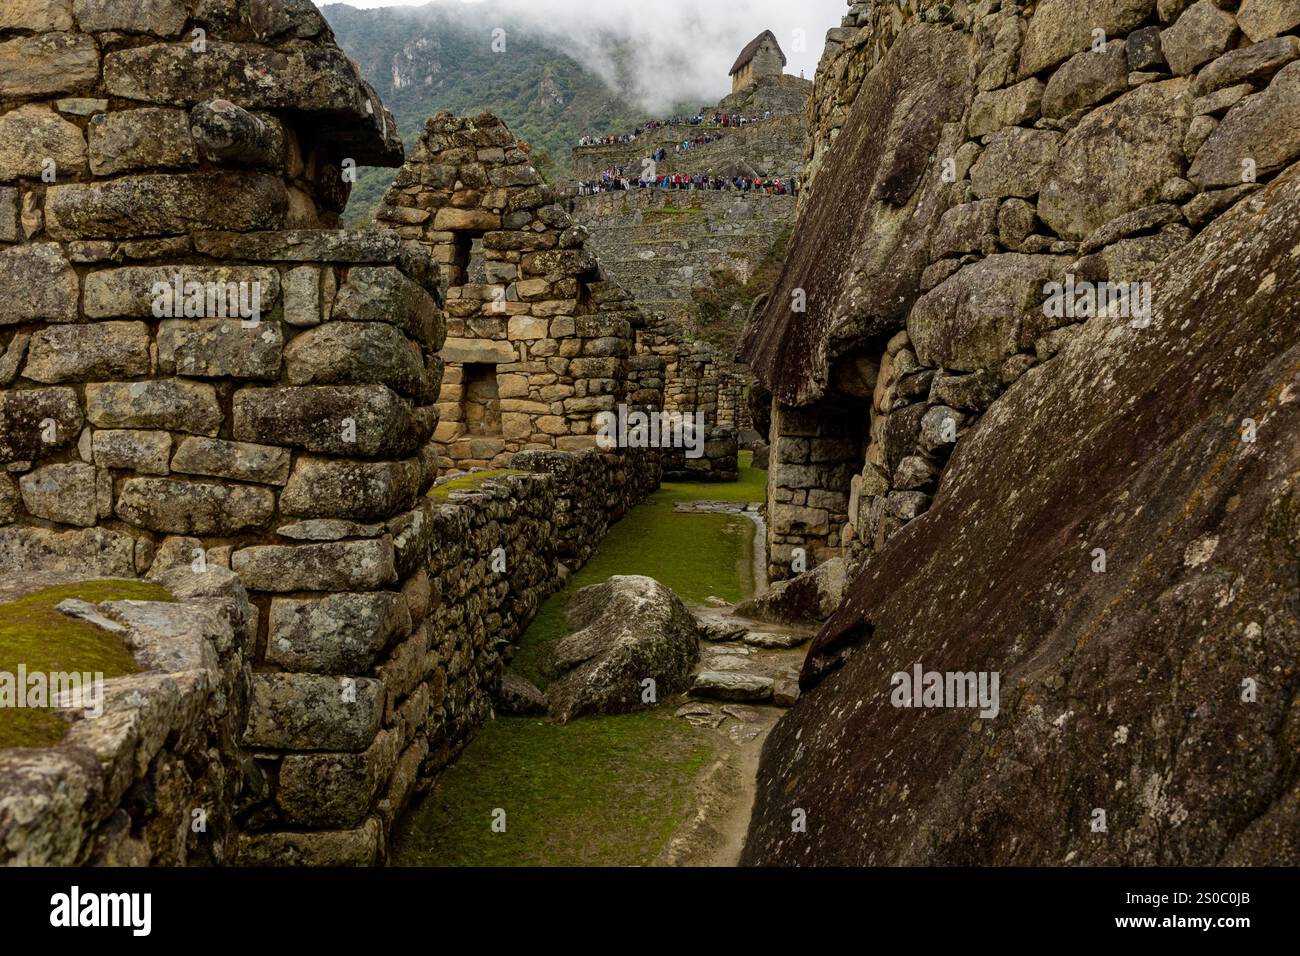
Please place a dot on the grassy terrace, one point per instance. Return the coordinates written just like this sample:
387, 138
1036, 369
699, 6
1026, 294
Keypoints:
34, 634
600, 790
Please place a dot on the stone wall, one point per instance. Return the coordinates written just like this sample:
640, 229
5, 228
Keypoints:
771, 147
528, 310
814, 456
155, 778
1073, 165
393, 683
660, 245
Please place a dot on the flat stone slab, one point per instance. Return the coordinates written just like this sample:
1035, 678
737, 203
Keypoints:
774, 640
717, 507
729, 685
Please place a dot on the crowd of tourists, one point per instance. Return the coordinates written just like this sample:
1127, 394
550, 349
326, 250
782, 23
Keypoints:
616, 181
715, 119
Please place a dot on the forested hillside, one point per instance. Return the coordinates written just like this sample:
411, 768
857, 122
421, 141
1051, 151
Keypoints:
432, 58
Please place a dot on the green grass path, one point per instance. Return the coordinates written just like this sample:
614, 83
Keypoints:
600, 790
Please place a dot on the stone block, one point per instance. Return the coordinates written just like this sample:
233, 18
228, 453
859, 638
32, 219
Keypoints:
357, 490
1086, 79
37, 284
1060, 28
1017, 105
357, 353
1117, 159
48, 63
1250, 130
37, 142
478, 351
171, 404
89, 551
328, 566
368, 420
38, 16
125, 140
335, 789
178, 506
310, 712
146, 452
165, 205
303, 305
163, 18
207, 291
75, 353
357, 847
1015, 163
61, 492
973, 319
339, 634
384, 294
1196, 37
220, 348
241, 461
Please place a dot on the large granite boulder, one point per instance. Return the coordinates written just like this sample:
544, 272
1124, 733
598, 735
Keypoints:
623, 632
1117, 540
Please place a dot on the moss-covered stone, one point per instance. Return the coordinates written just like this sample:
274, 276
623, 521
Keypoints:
35, 635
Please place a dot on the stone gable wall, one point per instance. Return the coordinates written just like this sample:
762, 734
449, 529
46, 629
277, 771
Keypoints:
525, 297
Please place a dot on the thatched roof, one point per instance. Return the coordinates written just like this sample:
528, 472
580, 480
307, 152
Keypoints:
751, 48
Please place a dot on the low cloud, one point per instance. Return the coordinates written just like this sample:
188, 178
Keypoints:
675, 50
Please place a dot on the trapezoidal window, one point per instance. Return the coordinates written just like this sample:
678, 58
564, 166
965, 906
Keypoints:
466, 264
481, 404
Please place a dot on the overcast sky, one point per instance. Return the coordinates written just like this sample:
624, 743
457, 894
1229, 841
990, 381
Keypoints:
684, 48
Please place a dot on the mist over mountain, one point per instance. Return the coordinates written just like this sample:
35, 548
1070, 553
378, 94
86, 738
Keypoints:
555, 70
655, 54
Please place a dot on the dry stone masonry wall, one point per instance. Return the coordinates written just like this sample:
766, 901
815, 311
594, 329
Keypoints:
153, 778
541, 341
538, 341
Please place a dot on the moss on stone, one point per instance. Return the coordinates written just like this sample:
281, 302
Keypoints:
35, 635
469, 481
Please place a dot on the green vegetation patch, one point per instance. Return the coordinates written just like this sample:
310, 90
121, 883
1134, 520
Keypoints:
470, 481
599, 791
35, 635
728, 289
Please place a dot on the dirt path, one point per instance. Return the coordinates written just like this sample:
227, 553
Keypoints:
714, 834
724, 799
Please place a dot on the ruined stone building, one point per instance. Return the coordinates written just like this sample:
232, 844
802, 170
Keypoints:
541, 340
1032, 367
759, 60
538, 343
205, 383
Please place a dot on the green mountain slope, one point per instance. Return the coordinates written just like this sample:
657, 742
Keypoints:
425, 59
